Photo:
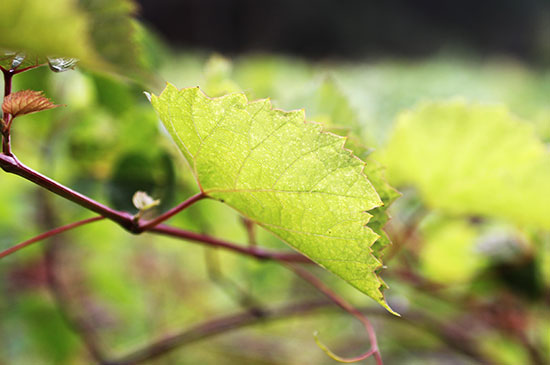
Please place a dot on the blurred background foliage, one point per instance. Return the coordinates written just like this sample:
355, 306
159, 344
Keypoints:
463, 136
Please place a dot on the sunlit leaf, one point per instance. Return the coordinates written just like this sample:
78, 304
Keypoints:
283, 173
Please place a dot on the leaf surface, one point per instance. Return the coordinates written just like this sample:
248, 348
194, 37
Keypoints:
283, 173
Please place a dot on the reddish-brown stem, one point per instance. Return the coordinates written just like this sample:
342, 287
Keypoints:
18, 71
253, 251
250, 230
11, 164
319, 285
215, 327
48, 234
6, 117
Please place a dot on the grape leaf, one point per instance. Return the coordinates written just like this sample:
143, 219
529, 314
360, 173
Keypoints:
283, 173
331, 105
376, 173
472, 160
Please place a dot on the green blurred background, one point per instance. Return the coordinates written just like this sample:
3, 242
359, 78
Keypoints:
471, 280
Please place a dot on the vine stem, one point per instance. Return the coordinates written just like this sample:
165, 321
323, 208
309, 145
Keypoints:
12, 165
48, 234
253, 251
6, 117
319, 285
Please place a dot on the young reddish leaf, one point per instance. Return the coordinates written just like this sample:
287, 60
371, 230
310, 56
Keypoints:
26, 102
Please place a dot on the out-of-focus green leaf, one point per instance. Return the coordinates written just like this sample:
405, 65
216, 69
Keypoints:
100, 34
217, 74
57, 28
330, 103
43, 319
503, 349
448, 253
113, 34
472, 160
283, 173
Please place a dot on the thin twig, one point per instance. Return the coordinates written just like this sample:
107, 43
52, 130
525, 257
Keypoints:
215, 327
230, 287
76, 322
319, 285
48, 234
6, 117
18, 71
13, 165
253, 251
250, 227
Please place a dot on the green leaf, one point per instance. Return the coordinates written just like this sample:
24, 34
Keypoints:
55, 28
448, 253
332, 104
377, 176
283, 173
113, 33
217, 75
472, 160
101, 34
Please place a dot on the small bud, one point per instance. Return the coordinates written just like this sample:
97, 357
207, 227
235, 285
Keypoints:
17, 60
62, 64
143, 201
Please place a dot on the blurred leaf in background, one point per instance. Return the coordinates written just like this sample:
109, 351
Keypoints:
476, 160
100, 34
